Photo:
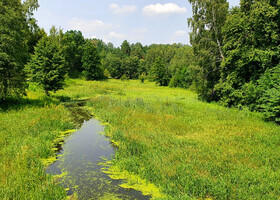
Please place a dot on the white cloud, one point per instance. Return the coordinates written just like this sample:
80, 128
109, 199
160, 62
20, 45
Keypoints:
122, 9
163, 9
180, 33
113, 34
88, 26
140, 30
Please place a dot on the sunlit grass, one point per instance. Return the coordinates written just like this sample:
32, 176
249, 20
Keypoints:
186, 147
27, 131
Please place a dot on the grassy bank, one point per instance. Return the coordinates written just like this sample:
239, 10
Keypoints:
186, 147
27, 130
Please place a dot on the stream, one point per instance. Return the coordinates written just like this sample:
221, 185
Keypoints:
78, 160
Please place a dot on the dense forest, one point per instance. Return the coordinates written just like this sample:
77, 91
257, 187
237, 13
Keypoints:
233, 60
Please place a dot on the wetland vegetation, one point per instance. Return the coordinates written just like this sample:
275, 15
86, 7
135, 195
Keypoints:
166, 136
186, 122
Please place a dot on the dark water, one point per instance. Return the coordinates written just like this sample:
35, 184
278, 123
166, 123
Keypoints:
79, 158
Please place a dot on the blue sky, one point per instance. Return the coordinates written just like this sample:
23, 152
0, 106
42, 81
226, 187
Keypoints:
145, 21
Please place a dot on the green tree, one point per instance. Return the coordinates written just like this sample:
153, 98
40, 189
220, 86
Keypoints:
91, 62
13, 48
114, 65
125, 47
130, 66
47, 65
137, 50
251, 47
73, 42
160, 72
207, 40
35, 32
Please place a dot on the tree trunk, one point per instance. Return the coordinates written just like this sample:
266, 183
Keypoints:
216, 34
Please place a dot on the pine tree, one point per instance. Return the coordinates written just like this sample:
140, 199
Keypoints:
47, 65
125, 47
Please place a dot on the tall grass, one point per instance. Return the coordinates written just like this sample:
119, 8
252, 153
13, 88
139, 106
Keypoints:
190, 149
27, 130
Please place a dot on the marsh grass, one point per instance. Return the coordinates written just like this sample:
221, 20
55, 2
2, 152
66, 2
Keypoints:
188, 148
28, 128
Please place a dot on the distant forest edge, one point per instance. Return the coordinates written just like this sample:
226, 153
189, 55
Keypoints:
233, 60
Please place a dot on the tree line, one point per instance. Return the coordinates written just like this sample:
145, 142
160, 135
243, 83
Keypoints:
29, 54
237, 53
164, 64
233, 60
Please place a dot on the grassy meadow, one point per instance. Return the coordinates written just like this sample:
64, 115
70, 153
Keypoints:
28, 128
188, 148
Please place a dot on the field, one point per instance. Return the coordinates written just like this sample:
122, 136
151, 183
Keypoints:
188, 148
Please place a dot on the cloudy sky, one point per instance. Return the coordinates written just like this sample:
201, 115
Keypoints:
145, 21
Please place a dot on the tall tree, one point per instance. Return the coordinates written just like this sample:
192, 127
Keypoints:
113, 64
207, 40
47, 65
160, 72
13, 48
91, 62
73, 42
130, 66
252, 47
125, 47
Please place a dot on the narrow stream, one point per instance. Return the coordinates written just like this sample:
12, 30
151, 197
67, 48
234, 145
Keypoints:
78, 160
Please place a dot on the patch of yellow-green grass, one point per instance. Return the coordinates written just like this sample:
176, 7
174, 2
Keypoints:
187, 148
28, 128
132, 181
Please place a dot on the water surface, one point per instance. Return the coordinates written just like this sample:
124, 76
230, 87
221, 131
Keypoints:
79, 159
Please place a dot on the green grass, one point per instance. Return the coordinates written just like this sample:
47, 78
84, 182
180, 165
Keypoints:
188, 148
27, 131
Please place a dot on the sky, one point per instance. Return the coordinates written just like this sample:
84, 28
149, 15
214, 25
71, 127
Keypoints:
145, 21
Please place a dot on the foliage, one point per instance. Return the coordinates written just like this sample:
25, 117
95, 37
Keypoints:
130, 66
161, 76
113, 64
125, 47
73, 42
91, 62
142, 77
182, 76
13, 48
137, 50
268, 94
207, 40
47, 65
124, 78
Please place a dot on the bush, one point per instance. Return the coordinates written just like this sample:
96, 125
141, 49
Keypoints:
142, 78
124, 78
269, 91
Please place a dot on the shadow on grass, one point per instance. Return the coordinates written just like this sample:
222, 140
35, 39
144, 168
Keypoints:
21, 103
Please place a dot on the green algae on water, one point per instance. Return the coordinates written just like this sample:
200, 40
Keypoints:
56, 144
132, 181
